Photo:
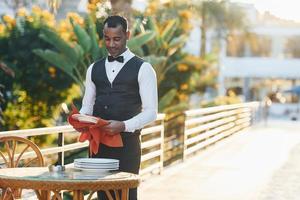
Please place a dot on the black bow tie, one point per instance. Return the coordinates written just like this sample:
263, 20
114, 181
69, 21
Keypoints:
119, 59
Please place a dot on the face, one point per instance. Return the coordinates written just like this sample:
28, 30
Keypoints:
115, 40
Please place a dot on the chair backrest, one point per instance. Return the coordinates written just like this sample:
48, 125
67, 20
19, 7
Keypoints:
20, 152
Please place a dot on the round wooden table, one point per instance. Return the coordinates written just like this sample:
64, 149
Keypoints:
48, 185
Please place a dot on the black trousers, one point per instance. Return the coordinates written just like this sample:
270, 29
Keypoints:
129, 156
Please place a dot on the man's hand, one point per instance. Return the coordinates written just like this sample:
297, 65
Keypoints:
114, 127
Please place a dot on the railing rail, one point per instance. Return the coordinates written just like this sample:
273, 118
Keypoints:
194, 130
206, 126
152, 140
154, 133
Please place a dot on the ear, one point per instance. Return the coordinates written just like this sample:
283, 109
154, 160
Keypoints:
127, 35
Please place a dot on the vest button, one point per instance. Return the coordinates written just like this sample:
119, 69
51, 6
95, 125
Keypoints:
105, 107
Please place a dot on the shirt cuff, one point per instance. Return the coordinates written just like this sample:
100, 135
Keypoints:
86, 110
129, 126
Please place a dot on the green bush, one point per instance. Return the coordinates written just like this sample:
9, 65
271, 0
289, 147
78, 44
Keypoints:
37, 86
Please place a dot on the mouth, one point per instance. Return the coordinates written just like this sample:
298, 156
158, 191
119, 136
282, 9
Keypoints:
113, 51
112, 48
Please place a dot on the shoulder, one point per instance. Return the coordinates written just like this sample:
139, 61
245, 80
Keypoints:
146, 65
147, 69
143, 62
97, 62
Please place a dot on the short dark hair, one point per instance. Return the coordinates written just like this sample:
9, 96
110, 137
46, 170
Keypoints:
116, 20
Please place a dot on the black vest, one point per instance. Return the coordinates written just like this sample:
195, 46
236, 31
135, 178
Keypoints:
120, 100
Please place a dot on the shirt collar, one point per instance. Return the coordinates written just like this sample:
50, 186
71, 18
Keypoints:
126, 54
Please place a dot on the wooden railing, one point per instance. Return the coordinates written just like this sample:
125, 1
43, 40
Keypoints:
151, 143
152, 138
195, 130
206, 126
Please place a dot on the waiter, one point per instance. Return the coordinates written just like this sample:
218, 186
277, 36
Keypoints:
121, 88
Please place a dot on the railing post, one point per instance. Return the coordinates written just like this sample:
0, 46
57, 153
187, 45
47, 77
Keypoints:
60, 143
162, 135
184, 148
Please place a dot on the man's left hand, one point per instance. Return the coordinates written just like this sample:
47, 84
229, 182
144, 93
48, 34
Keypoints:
114, 127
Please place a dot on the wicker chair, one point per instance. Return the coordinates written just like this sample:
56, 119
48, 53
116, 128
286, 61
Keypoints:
18, 152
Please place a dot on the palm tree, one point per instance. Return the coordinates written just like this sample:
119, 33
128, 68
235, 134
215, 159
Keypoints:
74, 57
122, 7
222, 16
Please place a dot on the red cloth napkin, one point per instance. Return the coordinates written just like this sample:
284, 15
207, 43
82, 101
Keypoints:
93, 133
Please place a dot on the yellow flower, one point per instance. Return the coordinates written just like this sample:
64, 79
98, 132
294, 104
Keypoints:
182, 67
9, 20
184, 86
186, 26
231, 93
152, 7
30, 19
65, 36
77, 18
71, 15
63, 24
51, 23
2, 30
52, 71
47, 15
22, 12
36, 10
185, 14
183, 97
91, 7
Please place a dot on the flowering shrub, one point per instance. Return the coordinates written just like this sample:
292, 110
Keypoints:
38, 88
64, 49
179, 74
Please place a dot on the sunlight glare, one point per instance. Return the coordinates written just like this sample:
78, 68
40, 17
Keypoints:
288, 9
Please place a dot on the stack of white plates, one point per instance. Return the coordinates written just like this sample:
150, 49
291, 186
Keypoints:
96, 164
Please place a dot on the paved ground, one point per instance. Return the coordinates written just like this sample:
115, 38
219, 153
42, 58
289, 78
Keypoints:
262, 164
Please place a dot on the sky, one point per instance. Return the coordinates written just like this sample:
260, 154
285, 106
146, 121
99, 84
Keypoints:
286, 9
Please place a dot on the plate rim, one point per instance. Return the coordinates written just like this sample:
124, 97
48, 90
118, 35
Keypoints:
96, 160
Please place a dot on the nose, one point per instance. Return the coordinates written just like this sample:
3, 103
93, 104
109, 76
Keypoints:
111, 43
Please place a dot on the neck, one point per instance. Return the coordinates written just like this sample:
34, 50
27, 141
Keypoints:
121, 52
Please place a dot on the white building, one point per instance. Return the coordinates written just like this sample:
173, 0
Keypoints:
273, 60
252, 70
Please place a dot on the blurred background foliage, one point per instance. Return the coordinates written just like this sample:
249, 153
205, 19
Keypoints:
50, 58
28, 103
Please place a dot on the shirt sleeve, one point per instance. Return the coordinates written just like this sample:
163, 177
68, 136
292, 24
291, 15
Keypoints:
89, 97
148, 93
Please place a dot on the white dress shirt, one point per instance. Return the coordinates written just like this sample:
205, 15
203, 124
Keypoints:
147, 89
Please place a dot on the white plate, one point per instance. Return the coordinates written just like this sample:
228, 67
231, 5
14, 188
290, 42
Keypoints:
85, 118
96, 164
94, 170
96, 160
96, 167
